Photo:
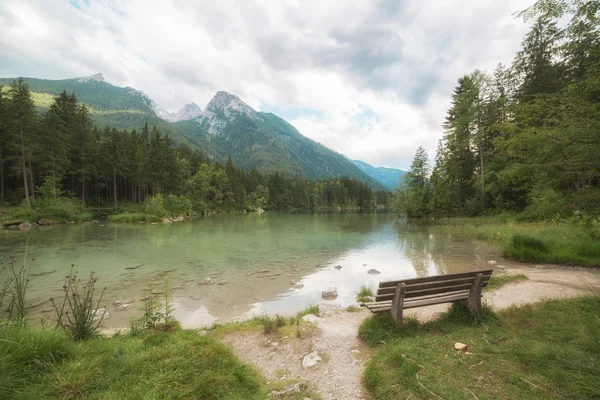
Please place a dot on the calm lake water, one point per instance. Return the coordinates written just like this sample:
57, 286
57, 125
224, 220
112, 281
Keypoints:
253, 260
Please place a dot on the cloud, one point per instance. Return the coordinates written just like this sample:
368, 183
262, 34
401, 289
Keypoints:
371, 79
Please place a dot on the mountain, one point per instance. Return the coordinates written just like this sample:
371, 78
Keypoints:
227, 127
389, 177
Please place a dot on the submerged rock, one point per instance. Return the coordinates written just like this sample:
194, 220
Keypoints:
492, 262
330, 294
338, 267
373, 271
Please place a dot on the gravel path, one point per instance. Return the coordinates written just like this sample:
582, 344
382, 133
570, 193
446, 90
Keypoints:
334, 334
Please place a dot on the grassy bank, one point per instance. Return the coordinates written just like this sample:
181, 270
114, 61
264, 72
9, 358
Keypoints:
545, 350
555, 243
36, 363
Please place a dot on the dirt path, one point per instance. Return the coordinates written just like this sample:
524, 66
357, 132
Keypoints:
334, 335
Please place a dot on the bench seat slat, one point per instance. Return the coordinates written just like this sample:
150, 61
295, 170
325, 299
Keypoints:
420, 303
436, 278
430, 285
425, 292
431, 296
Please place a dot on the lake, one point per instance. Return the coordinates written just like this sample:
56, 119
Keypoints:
251, 261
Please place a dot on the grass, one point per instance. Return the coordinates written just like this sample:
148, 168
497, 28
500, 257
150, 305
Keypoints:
363, 294
496, 281
133, 217
313, 309
544, 350
539, 242
36, 363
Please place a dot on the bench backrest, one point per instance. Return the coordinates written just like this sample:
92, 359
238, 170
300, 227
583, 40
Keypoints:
432, 285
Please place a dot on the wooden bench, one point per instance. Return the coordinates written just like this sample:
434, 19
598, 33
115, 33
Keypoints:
465, 288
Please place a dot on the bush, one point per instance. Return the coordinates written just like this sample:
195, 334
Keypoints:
158, 315
79, 314
363, 294
156, 206
178, 205
133, 217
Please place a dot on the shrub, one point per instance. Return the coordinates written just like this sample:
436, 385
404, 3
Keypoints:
156, 206
363, 294
13, 291
178, 205
79, 314
158, 315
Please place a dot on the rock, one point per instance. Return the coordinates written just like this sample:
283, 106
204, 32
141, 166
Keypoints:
207, 281
329, 309
95, 221
298, 285
330, 294
311, 360
178, 219
460, 346
355, 351
295, 388
166, 221
71, 222
312, 318
24, 225
44, 222
492, 262
373, 271
260, 210
101, 313
222, 283
500, 267
123, 307
364, 265
202, 333
122, 302
338, 267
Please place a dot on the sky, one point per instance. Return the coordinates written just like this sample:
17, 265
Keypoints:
371, 79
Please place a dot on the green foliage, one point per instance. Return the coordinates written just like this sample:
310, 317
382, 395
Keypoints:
413, 197
525, 138
26, 354
496, 281
155, 205
178, 205
13, 291
539, 351
133, 217
157, 313
313, 309
571, 242
363, 294
40, 364
80, 314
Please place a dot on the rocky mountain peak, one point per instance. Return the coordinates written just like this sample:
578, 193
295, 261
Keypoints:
96, 77
223, 101
186, 112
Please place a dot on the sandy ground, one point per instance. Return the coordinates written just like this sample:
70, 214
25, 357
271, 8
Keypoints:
334, 335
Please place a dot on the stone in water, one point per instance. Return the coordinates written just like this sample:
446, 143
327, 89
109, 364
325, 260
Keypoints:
373, 272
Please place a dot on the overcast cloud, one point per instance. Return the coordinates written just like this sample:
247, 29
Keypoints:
370, 79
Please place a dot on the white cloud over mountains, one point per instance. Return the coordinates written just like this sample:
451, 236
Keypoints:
371, 79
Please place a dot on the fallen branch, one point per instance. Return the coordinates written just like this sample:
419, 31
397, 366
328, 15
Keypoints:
474, 365
430, 392
533, 384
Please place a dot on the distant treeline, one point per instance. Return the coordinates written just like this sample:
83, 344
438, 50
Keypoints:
61, 154
525, 139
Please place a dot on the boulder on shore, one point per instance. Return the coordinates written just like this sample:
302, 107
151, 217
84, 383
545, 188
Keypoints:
166, 221
44, 222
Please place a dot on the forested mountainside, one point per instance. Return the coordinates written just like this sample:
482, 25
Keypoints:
228, 127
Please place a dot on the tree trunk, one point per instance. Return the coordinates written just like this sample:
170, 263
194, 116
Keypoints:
1, 175
53, 174
24, 168
31, 184
115, 188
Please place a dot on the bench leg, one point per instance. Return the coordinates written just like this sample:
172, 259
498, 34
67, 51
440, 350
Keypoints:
473, 303
398, 304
